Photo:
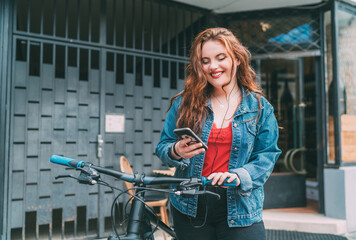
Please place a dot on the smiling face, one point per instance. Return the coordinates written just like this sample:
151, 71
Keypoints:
218, 65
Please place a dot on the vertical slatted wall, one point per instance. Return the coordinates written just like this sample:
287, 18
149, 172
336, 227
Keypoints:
73, 62
55, 111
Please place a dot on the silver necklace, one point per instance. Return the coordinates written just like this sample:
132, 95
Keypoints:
221, 105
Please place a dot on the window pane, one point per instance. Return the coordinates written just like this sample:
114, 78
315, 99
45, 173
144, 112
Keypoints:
60, 18
73, 19
109, 22
48, 17
138, 71
95, 59
22, 15
148, 66
173, 29
119, 21
35, 16
347, 83
83, 64
188, 31
60, 61
129, 63
181, 70
156, 27
84, 20
197, 22
129, 23
157, 73
110, 61
120, 68
147, 25
165, 68
295, 30
21, 50
72, 56
95, 21
330, 86
138, 24
164, 28
180, 30
47, 53
173, 76
35, 50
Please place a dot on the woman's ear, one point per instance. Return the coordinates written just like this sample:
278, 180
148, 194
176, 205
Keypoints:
237, 61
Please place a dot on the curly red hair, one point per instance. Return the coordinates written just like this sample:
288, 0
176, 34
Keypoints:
197, 90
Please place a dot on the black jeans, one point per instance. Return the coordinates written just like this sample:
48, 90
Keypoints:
214, 226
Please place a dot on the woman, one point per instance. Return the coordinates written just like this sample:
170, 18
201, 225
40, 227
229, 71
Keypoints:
222, 103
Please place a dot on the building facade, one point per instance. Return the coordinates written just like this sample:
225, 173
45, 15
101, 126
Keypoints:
93, 79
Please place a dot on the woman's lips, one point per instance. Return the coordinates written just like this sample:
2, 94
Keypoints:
216, 75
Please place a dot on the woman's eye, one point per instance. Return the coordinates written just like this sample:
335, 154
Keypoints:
205, 62
222, 58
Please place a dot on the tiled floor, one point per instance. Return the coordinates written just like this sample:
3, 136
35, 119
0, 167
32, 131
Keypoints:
305, 219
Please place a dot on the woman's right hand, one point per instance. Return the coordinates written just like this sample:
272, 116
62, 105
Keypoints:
186, 150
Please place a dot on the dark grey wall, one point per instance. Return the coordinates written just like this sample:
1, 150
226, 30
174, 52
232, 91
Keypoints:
4, 54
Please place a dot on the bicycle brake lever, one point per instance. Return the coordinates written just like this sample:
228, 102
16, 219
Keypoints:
193, 182
188, 193
83, 178
210, 193
90, 171
65, 176
87, 179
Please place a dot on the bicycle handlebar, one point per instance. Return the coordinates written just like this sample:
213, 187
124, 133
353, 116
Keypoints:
146, 180
67, 161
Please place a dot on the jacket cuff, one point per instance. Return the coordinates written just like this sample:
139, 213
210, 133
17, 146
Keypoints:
168, 158
245, 187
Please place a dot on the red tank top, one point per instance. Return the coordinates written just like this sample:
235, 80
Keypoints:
218, 154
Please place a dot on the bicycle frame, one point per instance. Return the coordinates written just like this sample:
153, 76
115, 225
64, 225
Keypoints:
138, 225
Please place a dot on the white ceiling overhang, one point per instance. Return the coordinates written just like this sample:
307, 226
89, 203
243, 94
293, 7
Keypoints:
231, 6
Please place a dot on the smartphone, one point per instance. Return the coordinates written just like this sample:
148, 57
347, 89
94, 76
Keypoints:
183, 133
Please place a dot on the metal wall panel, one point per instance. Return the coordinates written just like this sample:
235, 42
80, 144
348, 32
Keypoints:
20, 74
61, 73
51, 115
17, 219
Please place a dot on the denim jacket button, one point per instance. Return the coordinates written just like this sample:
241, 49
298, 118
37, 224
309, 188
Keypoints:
235, 124
230, 197
232, 221
235, 148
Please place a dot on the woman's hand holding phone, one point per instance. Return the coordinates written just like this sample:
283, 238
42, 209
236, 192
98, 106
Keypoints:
186, 150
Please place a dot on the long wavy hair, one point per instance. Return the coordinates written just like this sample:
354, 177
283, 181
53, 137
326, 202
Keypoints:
197, 90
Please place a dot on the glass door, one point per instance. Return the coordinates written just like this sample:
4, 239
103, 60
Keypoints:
282, 84
289, 85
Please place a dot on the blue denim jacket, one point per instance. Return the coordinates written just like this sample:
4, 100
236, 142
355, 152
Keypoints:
254, 152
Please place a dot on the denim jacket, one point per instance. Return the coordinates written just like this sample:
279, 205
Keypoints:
254, 152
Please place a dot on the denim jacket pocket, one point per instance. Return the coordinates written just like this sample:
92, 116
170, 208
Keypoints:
252, 203
251, 127
182, 170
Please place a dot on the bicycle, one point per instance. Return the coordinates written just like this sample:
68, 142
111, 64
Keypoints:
141, 217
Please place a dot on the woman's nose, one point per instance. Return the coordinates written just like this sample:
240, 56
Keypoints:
213, 65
